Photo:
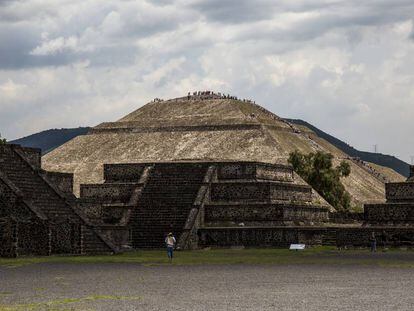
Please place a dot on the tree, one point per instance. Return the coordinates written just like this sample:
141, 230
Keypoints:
318, 171
2, 140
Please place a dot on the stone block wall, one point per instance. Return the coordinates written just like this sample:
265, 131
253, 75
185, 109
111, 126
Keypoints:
104, 214
385, 236
259, 191
117, 192
265, 213
346, 217
123, 172
62, 181
254, 171
399, 192
33, 238
389, 213
293, 193
280, 173
284, 236
32, 155
240, 213
8, 237
91, 209
236, 171
304, 213
119, 235
240, 191
66, 238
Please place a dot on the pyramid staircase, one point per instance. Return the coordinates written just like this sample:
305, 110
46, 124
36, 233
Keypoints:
165, 203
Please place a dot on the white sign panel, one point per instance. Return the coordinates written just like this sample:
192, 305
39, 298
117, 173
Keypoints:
297, 246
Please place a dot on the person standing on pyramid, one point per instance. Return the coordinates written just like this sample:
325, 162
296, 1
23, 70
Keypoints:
170, 242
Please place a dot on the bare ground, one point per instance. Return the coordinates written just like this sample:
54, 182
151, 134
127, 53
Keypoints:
123, 286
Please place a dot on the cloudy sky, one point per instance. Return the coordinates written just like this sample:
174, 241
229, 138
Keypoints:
346, 67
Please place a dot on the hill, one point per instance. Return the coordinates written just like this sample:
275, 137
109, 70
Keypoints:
50, 139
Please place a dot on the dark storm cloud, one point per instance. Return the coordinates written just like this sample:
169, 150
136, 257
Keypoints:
104, 35
16, 42
328, 16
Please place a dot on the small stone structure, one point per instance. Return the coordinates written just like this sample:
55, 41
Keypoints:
399, 208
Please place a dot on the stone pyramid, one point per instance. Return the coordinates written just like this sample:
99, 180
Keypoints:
204, 127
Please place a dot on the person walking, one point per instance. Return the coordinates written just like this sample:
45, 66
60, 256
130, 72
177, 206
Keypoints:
373, 241
170, 243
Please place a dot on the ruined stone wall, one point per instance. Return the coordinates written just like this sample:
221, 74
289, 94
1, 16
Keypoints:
119, 235
289, 193
123, 172
237, 213
254, 171
62, 181
400, 192
305, 214
8, 237
284, 236
389, 213
236, 171
346, 217
239, 191
32, 155
10, 204
33, 238
120, 192
66, 238
265, 214
273, 173
261, 191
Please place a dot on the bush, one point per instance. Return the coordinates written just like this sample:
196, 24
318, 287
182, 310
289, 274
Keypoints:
317, 170
2, 140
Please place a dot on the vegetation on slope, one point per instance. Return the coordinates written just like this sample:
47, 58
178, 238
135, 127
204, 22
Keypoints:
317, 170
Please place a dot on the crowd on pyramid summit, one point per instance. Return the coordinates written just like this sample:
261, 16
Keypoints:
204, 95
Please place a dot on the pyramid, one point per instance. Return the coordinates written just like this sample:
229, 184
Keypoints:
205, 127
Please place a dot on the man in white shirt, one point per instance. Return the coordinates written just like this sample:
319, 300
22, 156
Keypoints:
170, 242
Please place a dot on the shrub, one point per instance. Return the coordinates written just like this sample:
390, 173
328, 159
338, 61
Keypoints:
318, 171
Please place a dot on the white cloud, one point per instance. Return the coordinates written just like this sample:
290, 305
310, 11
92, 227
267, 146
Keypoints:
51, 47
345, 66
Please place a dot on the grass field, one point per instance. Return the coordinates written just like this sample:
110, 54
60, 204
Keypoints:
316, 255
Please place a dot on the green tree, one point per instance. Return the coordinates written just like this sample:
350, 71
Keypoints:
318, 171
2, 140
